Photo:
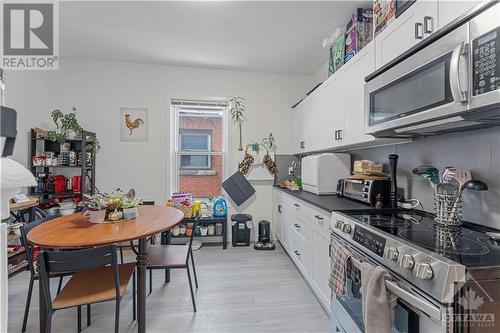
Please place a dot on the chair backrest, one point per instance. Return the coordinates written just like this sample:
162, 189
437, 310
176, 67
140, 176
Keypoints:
148, 203
75, 261
25, 229
196, 221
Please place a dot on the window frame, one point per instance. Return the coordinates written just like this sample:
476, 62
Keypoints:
174, 155
195, 132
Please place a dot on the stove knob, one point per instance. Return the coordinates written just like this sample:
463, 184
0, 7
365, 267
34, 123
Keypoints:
339, 224
423, 271
347, 228
407, 262
392, 253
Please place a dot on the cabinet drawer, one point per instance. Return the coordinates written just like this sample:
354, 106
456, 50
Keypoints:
295, 206
301, 229
300, 256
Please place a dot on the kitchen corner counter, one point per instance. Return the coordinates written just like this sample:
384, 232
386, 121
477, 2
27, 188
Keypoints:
328, 203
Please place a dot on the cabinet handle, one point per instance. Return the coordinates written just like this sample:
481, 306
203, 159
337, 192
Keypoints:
296, 205
340, 134
329, 250
302, 144
336, 135
296, 252
418, 31
318, 217
297, 226
428, 24
279, 209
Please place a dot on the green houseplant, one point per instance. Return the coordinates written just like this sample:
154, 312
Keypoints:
66, 123
237, 109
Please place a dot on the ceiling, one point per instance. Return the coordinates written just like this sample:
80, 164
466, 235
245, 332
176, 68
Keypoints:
275, 37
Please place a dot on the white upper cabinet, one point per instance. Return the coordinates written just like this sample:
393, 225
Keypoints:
450, 10
300, 127
416, 23
353, 86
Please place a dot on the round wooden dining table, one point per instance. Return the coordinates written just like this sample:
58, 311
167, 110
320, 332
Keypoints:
76, 231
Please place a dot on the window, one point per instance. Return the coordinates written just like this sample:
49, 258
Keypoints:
199, 147
195, 140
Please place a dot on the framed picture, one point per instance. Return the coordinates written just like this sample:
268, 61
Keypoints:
134, 124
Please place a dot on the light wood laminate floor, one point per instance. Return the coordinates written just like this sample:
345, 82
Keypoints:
240, 290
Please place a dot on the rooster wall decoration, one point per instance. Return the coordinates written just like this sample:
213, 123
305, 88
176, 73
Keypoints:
132, 124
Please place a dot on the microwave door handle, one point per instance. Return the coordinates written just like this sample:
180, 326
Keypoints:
428, 308
455, 81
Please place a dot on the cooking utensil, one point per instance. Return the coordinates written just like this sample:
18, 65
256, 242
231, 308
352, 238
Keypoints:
461, 176
475, 185
428, 172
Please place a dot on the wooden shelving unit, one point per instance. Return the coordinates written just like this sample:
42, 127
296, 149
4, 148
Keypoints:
87, 172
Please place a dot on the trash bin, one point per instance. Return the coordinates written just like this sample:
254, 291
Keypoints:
241, 223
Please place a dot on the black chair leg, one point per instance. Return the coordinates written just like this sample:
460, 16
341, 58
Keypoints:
194, 271
121, 253
28, 302
191, 288
79, 320
88, 315
150, 281
134, 297
117, 316
48, 323
59, 286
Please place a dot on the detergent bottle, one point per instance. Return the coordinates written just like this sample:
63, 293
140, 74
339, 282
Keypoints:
219, 207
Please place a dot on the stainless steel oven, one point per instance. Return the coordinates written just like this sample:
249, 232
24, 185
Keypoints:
413, 313
450, 84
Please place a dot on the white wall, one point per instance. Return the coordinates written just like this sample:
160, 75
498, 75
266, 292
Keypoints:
99, 89
25, 91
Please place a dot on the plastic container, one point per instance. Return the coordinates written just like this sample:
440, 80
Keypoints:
203, 231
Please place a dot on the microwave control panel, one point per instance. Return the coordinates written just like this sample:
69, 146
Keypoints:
486, 62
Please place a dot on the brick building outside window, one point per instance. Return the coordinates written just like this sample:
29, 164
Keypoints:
200, 150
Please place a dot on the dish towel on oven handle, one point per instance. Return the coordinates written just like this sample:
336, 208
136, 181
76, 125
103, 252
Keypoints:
339, 255
378, 302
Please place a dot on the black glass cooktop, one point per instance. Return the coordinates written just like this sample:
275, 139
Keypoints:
468, 245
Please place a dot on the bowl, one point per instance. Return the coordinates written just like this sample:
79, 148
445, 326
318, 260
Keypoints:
67, 205
66, 211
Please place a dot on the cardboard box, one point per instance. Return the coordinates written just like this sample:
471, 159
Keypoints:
359, 32
336, 55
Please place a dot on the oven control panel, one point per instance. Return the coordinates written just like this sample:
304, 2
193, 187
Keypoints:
486, 63
369, 240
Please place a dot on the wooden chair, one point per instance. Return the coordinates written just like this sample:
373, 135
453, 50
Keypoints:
30, 257
173, 257
97, 278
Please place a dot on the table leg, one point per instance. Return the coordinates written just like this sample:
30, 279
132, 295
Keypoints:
224, 234
142, 263
166, 241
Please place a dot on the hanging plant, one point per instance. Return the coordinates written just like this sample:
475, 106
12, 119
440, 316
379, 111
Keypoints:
66, 123
237, 109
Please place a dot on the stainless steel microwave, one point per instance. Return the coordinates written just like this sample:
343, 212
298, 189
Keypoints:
449, 84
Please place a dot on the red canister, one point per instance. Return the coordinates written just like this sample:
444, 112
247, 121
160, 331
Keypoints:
59, 184
76, 184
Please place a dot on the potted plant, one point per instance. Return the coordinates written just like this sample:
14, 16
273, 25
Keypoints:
237, 110
111, 207
67, 124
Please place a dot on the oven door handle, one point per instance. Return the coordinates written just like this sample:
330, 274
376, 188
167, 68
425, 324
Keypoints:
428, 308
455, 81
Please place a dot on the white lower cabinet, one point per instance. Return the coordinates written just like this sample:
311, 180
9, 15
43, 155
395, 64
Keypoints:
321, 267
305, 237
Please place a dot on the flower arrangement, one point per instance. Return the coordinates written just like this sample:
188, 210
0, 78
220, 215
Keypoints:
117, 206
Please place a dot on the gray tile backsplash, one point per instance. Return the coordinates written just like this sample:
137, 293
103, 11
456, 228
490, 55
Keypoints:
477, 150
283, 162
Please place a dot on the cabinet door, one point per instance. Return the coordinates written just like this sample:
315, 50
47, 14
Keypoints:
321, 266
329, 113
403, 33
278, 219
354, 85
287, 221
450, 10
300, 127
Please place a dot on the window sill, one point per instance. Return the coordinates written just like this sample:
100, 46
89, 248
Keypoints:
197, 172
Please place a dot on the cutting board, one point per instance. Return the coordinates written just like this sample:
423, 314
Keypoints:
368, 177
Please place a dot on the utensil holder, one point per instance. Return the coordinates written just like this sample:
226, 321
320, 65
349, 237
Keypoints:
448, 209
447, 238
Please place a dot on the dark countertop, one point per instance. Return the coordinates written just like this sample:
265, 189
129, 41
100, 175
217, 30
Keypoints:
326, 202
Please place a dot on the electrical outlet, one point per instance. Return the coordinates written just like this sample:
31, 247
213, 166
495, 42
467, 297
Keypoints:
290, 170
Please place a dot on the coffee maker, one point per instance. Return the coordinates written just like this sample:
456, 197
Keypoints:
264, 242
